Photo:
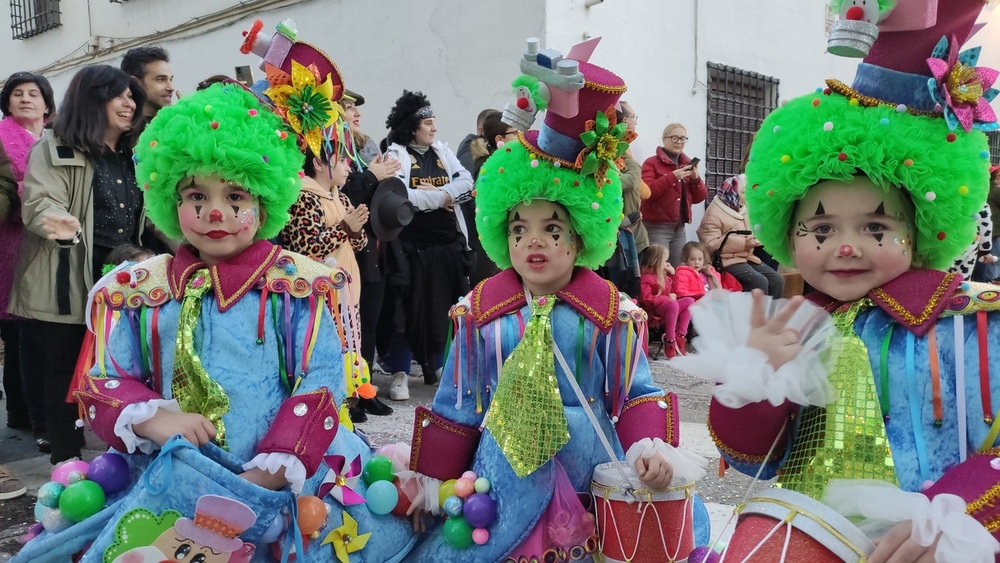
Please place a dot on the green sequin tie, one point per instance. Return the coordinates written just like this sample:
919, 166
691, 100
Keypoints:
191, 386
846, 439
526, 418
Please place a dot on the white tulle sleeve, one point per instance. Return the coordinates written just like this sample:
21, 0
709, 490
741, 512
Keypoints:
137, 413
688, 466
880, 506
744, 375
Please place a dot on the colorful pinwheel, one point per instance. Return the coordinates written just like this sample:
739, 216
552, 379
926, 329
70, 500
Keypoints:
346, 540
963, 89
339, 482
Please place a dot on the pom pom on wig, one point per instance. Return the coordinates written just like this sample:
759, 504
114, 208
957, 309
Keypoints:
827, 137
510, 177
223, 130
403, 120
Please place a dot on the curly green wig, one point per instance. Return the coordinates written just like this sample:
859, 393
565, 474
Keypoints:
223, 130
826, 136
513, 175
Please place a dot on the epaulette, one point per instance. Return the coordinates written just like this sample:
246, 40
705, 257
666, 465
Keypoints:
628, 310
135, 285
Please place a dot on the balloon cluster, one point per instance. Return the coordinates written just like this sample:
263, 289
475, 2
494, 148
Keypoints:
78, 490
470, 510
705, 554
384, 494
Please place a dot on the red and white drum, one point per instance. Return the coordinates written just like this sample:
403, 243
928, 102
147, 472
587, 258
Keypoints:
638, 524
784, 526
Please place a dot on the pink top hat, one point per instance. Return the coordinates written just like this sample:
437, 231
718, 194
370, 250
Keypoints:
217, 523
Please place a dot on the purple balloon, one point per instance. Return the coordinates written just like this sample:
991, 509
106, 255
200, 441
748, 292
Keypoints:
480, 510
110, 471
703, 554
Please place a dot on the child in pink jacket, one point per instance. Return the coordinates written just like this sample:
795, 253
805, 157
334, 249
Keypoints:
658, 299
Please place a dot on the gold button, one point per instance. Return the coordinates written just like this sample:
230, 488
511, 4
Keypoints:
122, 205
119, 180
120, 231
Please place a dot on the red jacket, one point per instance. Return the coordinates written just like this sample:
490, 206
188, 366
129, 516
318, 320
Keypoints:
664, 203
650, 293
688, 283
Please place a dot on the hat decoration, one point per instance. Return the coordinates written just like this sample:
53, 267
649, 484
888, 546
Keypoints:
891, 126
570, 160
305, 86
853, 34
961, 88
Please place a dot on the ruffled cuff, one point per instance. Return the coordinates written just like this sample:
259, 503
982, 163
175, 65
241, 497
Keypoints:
881, 506
421, 489
688, 466
295, 470
743, 373
137, 413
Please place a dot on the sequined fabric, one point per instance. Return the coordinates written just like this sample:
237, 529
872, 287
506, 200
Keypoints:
846, 439
526, 417
191, 386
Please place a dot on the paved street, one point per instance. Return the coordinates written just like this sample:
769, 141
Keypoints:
17, 450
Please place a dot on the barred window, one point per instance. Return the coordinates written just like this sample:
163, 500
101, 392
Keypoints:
31, 17
738, 101
994, 138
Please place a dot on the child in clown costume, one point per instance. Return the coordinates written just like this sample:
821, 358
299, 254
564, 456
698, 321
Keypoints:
871, 190
540, 344
232, 340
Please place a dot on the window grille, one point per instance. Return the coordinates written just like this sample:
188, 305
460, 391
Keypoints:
994, 138
738, 101
31, 17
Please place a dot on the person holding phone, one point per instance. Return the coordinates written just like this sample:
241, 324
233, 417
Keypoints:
675, 184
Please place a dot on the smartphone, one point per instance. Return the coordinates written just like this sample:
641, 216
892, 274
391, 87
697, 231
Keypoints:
244, 75
694, 162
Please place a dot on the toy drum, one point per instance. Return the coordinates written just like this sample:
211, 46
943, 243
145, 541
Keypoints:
779, 525
638, 524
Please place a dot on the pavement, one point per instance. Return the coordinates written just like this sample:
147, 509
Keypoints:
18, 453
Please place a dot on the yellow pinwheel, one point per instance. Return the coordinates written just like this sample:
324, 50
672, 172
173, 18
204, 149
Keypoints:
346, 540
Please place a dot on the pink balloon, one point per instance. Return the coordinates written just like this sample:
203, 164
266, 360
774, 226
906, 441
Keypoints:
464, 487
62, 472
470, 475
480, 536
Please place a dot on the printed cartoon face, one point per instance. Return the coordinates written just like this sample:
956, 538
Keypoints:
176, 547
851, 237
217, 217
542, 245
860, 10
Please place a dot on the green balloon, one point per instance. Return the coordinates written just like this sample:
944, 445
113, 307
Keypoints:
379, 468
457, 532
81, 500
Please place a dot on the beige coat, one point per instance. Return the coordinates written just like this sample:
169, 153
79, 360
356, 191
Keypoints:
57, 181
632, 185
720, 219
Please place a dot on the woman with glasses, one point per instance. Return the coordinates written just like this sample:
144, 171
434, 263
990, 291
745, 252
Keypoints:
675, 185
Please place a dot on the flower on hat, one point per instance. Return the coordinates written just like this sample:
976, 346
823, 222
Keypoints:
346, 540
307, 104
962, 88
605, 142
340, 480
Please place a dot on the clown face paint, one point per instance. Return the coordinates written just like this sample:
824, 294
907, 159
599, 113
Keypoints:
542, 245
218, 218
851, 237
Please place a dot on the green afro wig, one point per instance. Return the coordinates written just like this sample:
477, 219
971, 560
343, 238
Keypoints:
513, 175
829, 137
223, 130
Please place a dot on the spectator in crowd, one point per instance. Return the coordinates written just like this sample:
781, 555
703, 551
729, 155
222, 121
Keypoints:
433, 248
725, 230
979, 252
151, 66
27, 104
623, 266
661, 303
127, 252
366, 174
675, 185
695, 276
474, 144
637, 190
989, 272
495, 134
80, 201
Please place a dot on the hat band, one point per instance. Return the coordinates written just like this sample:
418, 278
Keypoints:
425, 112
894, 87
557, 144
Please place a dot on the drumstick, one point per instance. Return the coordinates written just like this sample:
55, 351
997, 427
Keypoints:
749, 488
